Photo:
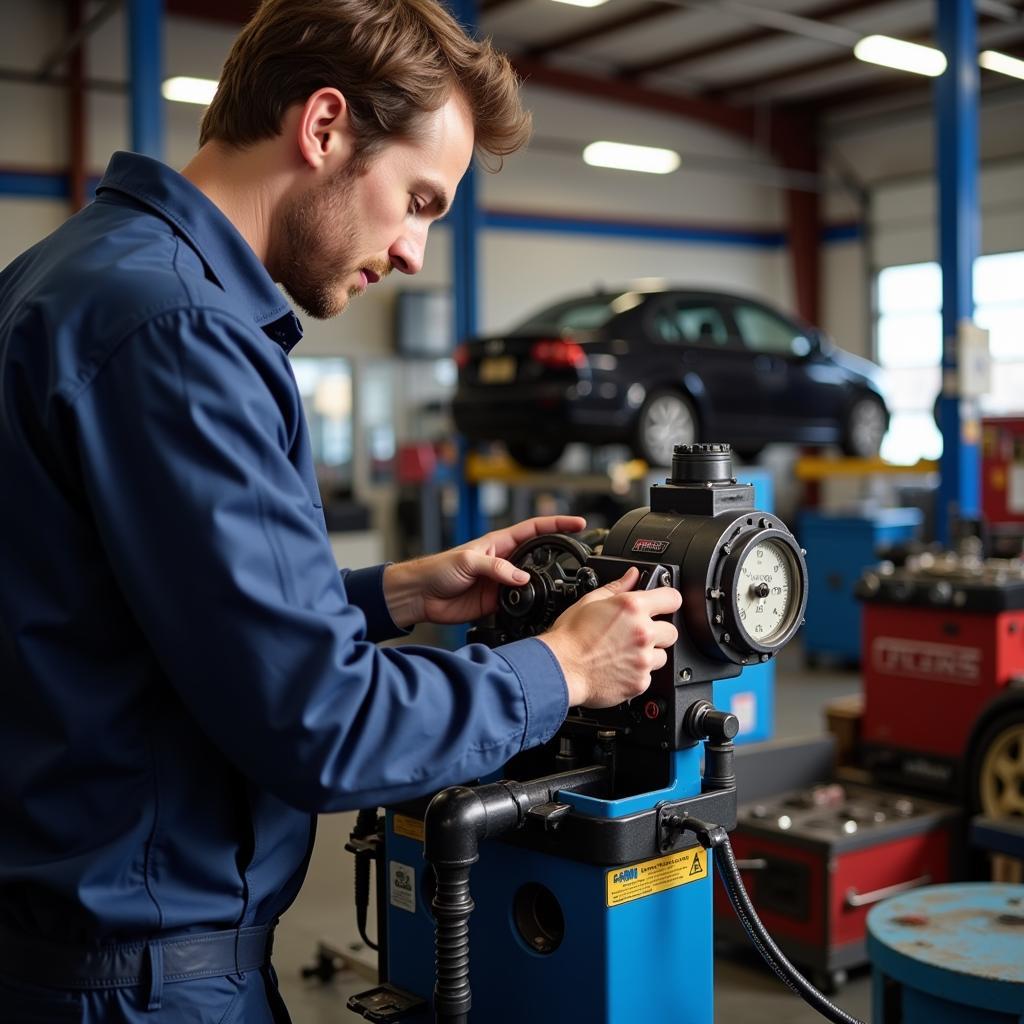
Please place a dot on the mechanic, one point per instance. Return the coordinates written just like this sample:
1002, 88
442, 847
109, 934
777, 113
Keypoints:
186, 679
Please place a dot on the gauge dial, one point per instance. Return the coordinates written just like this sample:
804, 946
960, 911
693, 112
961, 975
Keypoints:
766, 591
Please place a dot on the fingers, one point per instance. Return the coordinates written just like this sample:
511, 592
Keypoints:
512, 536
664, 634
623, 584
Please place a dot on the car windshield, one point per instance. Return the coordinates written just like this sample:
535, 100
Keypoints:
587, 314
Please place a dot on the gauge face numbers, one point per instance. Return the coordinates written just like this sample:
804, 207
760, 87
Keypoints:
765, 591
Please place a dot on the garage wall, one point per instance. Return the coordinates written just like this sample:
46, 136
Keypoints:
893, 155
518, 269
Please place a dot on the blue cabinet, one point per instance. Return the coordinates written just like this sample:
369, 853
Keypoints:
839, 549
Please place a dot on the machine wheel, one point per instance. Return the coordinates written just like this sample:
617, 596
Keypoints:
667, 418
996, 760
536, 454
865, 427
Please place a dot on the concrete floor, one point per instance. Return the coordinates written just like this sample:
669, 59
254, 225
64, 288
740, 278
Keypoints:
745, 991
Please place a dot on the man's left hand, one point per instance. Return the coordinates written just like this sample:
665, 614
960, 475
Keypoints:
461, 585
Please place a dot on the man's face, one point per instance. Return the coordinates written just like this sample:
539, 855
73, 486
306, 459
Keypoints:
334, 240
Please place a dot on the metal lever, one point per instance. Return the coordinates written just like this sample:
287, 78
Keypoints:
864, 899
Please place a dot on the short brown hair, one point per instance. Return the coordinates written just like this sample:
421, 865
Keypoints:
393, 60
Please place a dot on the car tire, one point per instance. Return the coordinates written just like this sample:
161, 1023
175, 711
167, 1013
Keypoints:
995, 759
536, 454
666, 419
865, 425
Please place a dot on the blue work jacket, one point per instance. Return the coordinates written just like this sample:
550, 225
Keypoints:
185, 677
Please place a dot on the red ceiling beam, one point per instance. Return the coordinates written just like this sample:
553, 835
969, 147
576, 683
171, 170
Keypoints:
729, 119
623, 23
900, 84
920, 35
735, 42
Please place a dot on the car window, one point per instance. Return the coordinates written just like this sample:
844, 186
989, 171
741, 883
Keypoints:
588, 314
764, 331
691, 323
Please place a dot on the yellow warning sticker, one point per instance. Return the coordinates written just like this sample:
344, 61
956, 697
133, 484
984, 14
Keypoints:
411, 828
635, 881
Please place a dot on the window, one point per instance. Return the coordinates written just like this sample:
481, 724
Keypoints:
764, 331
701, 324
326, 389
910, 346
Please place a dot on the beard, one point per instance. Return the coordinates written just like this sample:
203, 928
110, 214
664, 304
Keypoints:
309, 259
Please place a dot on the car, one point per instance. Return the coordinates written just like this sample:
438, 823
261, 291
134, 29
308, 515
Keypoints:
655, 367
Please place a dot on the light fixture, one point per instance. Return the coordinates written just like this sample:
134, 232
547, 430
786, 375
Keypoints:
183, 89
582, 3
624, 157
1001, 62
899, 54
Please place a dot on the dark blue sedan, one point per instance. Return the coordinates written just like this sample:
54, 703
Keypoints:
657, 367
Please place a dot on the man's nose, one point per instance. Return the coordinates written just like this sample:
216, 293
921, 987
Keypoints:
406, 254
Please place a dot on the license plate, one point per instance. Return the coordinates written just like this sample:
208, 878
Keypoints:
497, 370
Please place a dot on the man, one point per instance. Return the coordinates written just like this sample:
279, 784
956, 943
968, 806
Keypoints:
186, 679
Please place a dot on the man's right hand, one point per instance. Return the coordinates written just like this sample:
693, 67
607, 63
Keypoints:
608, 643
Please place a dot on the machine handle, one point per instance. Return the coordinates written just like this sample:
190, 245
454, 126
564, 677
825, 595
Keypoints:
863, 899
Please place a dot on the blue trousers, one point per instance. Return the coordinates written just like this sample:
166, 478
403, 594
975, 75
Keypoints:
250, 998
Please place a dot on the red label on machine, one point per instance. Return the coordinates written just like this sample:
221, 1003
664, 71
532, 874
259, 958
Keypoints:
947, 663
649, 546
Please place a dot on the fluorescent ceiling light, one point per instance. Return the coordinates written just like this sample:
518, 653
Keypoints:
899, 54
582, 3
1001, 62
631, 158
189, 90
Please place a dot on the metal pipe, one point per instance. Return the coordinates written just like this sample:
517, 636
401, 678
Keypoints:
80, 31
145, 64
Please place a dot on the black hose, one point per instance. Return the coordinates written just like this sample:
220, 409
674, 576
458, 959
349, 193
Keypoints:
729, 874
366, 825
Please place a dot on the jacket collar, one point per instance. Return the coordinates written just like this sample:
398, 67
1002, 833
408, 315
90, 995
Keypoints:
228, 258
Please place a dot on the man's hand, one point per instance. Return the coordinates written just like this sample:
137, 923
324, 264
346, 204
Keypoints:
608, 643
462, 584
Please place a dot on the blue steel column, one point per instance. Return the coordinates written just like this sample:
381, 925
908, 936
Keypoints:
465, 225
956, 102
145, 74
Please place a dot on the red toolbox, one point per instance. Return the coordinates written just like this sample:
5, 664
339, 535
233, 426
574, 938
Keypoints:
817, 860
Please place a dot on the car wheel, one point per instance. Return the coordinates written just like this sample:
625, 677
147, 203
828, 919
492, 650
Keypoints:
865, 427
996, 761
667, 418
536, 454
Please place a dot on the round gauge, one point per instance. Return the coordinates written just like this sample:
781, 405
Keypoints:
764, 591
764, 586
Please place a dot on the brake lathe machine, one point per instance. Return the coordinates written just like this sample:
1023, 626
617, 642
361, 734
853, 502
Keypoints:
592, 901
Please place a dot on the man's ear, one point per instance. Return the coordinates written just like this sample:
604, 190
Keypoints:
324, 132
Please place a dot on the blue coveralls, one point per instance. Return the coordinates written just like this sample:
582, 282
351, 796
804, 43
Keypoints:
185, 677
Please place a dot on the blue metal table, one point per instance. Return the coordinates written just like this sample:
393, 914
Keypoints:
949, 954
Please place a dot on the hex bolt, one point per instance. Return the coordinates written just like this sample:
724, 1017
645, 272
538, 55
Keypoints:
765, 523
717, 620
666, 579
726, 638
726, 549
685, 674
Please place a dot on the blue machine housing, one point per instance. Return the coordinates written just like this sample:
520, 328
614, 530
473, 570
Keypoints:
647, 958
